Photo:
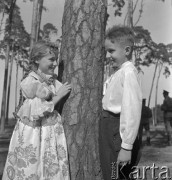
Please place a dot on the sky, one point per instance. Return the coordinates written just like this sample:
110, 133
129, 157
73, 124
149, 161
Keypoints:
156, 18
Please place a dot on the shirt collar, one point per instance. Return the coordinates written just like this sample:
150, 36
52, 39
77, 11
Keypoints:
125, 64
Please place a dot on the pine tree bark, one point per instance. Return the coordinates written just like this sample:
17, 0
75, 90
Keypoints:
9, 84
3, 106
16, 83
34, 23
156, 92
40, 8
153, 80
82, 52
130, 14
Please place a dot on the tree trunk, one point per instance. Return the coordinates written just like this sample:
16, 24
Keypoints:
3, 106
9, 86
17, 69
130, 14
3, 13
40, 7
153, 80
34, 23
156, 92
82, 52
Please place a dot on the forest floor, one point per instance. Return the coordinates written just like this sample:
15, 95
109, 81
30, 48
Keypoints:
156, 158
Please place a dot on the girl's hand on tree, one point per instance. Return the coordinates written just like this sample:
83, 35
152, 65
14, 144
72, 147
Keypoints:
64, 90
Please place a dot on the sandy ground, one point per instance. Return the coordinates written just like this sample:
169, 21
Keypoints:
155, 158
158, 156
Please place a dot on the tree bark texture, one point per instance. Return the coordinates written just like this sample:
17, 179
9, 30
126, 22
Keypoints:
9, 84
40, 8
160, 66
130, 14
82, 53
3, 106
34, 23
16, 83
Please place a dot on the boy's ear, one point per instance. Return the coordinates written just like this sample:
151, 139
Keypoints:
127, 50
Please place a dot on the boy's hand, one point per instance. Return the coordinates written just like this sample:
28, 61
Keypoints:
124, 156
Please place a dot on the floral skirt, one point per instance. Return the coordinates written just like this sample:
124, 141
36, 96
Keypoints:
37, 151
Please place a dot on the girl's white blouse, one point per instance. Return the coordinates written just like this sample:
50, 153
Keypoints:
36, 93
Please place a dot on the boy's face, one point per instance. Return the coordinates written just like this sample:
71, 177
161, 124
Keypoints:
117, 53
47, 64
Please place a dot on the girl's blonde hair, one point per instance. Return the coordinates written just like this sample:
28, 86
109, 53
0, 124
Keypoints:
39, 50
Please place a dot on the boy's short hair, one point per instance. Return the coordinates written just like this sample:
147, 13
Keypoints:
121, 34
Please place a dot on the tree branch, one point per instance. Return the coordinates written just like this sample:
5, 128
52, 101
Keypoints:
125, 17
3, 13
135, 6
140, 15
144, 46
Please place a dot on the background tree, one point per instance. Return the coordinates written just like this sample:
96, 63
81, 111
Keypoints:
83, 29
161, 58
17, 35
40, 9
34, 26
9, 82
4, 9
20, 38
3, 107
36, 20
48, 30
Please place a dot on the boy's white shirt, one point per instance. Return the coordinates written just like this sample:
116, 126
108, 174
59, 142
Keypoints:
122, 94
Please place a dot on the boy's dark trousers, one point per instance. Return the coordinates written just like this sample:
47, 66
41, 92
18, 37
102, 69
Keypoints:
110, 145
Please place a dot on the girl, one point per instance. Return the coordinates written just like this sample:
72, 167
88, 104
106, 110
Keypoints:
38, 148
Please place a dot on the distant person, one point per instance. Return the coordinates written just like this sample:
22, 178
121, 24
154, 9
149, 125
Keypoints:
122, 103
145, 117
38, 148
167, 108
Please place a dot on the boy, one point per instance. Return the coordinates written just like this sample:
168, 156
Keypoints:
122, 104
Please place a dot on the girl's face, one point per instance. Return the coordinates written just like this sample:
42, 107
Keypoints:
47, 64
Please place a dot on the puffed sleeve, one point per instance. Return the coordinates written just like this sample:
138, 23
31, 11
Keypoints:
29, 87
35, 105
32, 88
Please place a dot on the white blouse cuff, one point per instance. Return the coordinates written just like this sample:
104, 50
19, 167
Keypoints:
127, 146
